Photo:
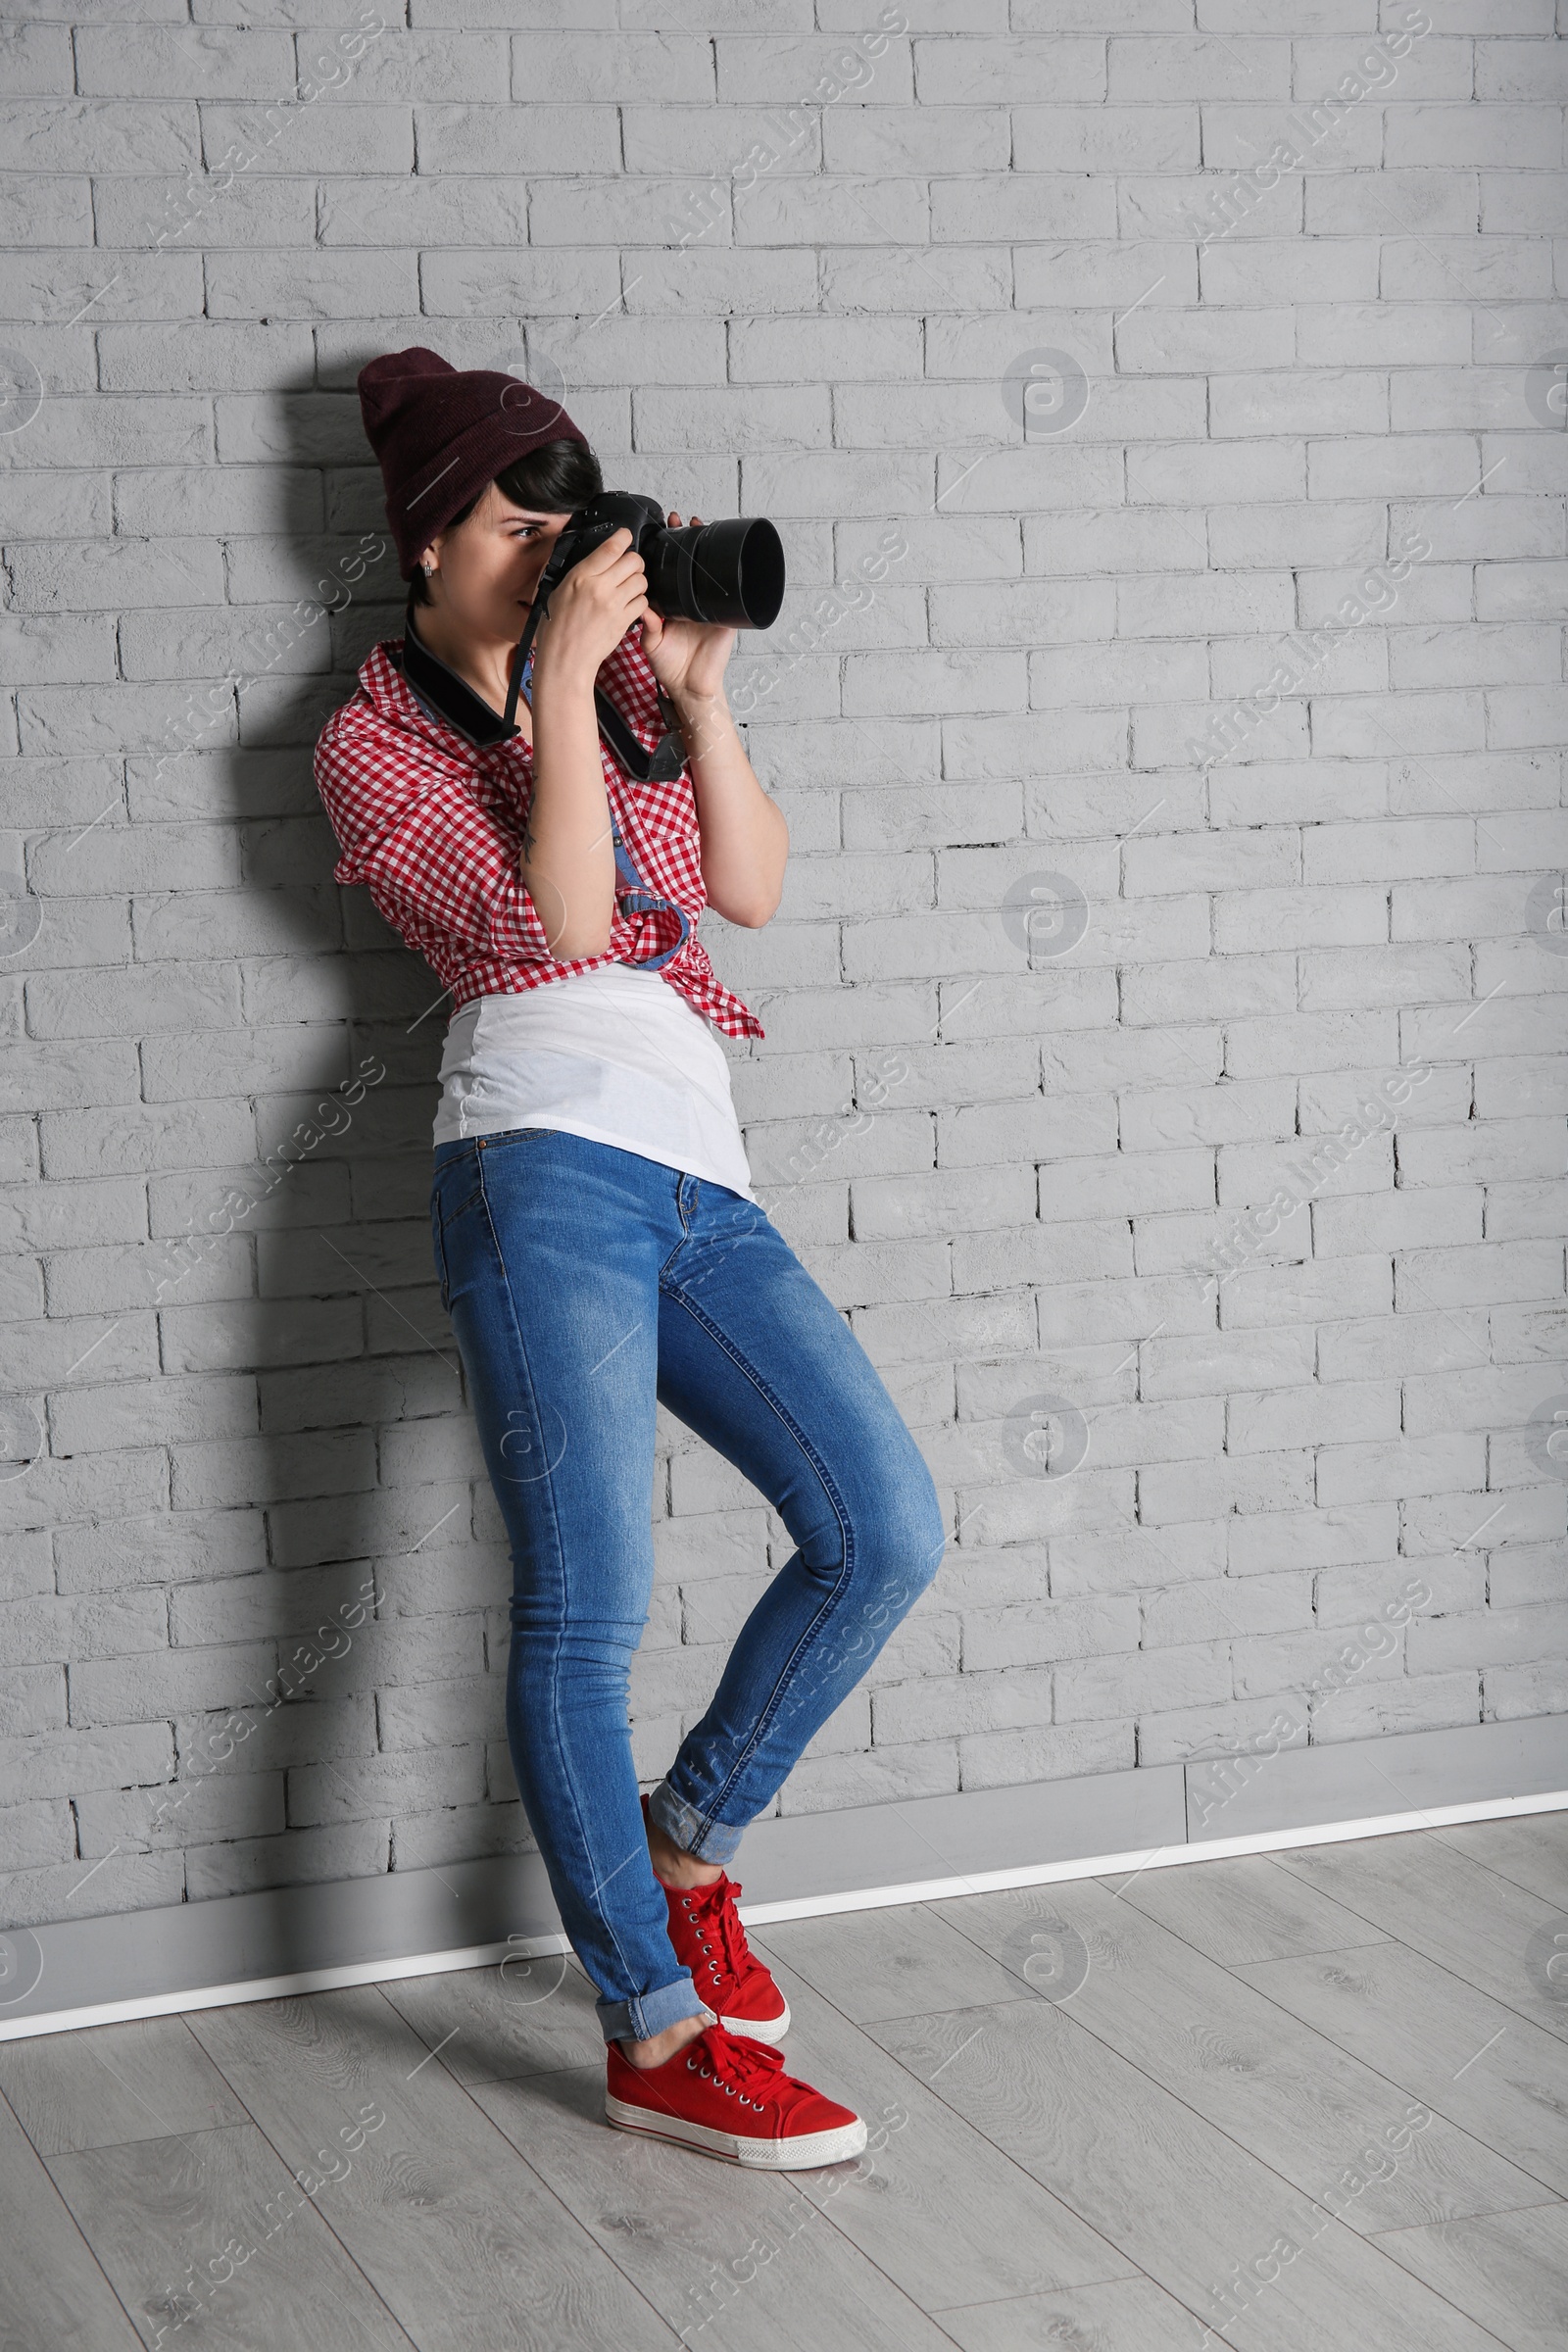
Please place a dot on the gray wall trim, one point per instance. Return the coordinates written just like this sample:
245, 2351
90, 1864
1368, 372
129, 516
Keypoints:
1247, 1796
256, 1946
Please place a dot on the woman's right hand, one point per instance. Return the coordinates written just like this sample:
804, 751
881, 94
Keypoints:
591, 610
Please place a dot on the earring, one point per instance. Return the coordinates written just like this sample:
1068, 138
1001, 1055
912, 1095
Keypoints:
427, 570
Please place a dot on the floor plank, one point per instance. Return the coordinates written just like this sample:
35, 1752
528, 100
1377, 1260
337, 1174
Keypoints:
149, 2078
1532, 1849
1241, 1909
1427, 1893
1125, 2315
1292, 2097
945, 2212
210, 2232
1510, 2271
52, 2292
1484, 2065
902, 1961
458, 2236
1175, 2195
493, 2024
735, 2261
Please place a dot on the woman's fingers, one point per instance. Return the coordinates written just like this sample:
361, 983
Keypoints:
629, 567
607, 554
611, 572
631, 602
624, 564
630, 590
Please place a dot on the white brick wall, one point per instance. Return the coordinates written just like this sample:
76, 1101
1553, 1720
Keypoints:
213, 211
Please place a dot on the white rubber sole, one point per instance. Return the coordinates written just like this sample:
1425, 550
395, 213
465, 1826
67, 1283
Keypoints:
811, 2149
758, 2029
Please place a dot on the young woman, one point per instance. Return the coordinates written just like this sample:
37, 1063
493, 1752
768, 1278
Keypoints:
596, 1237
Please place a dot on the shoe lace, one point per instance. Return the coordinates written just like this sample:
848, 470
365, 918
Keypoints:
749, 2068
714, 1907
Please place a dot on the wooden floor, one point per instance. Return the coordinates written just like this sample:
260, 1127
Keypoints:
1314, 2100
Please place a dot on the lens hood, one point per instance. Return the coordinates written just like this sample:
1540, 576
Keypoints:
730, 574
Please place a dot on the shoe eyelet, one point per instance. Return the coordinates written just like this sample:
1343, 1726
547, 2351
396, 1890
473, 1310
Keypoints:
729, 2090
691, 2066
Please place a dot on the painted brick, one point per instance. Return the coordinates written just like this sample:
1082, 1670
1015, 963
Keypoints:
1269, 935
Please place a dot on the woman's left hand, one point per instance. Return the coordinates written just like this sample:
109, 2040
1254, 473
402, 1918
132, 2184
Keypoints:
688, 658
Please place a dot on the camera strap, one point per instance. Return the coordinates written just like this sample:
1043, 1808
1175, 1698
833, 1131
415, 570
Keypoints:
662, 764
530, 627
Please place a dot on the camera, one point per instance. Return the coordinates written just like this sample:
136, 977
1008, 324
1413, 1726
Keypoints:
730, 574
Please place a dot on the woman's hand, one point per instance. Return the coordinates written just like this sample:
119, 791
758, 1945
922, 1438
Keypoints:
590, 612
743, 839
686, 656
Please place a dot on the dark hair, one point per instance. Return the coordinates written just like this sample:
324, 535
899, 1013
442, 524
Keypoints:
556, 478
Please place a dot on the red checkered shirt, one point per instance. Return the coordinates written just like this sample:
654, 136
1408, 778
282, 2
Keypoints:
432, 826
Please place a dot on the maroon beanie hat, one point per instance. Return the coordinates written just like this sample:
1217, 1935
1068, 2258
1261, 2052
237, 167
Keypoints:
442, 432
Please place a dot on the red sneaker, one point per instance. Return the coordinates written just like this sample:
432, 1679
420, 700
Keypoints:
731, 2098
706, 1931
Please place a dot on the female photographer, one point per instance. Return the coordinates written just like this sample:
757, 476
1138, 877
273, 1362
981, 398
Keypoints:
596, 1237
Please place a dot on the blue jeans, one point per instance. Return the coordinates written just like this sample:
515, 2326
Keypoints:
584, 1282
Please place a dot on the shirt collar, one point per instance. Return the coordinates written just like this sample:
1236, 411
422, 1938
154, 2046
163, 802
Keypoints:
448, 696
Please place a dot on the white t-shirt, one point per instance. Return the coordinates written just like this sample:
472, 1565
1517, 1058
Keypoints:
615, 1055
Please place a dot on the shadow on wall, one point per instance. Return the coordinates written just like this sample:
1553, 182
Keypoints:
370, 1647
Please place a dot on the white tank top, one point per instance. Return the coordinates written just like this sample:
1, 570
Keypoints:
615, 1055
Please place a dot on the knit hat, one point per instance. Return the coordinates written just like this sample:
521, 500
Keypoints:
442, 432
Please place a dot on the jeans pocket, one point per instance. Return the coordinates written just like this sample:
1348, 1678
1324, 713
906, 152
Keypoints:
438, 1248
454, 1185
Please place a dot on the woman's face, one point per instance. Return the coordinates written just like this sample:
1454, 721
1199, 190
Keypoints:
486, 568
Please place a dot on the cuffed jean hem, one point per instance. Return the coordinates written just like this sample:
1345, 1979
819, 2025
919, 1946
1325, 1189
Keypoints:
640, 2019
685, 1826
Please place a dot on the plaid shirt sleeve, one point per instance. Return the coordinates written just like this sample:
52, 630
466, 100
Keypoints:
441, 867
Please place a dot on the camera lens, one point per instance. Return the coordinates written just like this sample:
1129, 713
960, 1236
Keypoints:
729, 573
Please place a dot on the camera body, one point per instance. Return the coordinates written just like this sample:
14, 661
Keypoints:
729, 574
